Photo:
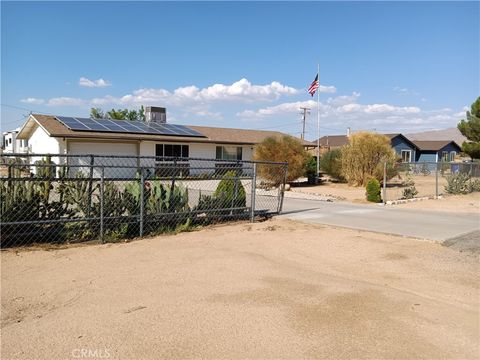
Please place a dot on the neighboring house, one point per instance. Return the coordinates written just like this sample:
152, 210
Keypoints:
10, 143
403, 147
433, 151
47, 134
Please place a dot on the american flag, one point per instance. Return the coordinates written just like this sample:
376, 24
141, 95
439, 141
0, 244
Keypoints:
314, 86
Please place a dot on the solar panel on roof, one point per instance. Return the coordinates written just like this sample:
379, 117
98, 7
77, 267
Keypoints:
126, 126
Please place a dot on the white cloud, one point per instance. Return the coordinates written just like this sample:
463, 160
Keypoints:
343, 111
35, 101
100, 83
65, 101
285, 108
378, 108
239, 91
328, 89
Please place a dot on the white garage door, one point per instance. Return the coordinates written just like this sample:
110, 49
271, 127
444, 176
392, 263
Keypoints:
83, 148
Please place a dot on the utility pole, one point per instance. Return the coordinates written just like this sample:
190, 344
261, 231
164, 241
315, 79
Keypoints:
304, 113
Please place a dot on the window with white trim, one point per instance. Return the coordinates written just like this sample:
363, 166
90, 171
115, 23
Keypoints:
229, 153
406, 156
445, 156
452, 155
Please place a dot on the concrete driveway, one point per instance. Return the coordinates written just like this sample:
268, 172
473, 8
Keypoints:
431, 225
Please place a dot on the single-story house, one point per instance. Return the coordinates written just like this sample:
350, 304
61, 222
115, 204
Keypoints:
405, 148
433, 151
408, 150
76, 136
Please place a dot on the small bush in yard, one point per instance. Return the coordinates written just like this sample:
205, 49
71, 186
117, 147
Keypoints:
311, 169
410, 191
230, 191
373, 191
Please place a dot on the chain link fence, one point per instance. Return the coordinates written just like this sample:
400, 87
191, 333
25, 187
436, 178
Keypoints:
74, 198
429, 179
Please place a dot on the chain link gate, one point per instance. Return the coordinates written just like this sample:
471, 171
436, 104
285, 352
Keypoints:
55, 198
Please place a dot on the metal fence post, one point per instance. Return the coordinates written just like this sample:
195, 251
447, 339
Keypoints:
282, 192
436, 180
142, 199
90, 184
254, 189
384, 183
102, 193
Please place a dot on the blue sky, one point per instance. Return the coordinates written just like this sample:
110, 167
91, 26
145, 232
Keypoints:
387, 66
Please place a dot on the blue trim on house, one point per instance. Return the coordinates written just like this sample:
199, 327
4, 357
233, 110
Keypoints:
400, 143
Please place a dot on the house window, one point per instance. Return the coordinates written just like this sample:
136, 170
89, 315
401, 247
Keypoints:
171, 150
406, 156
452, 155
445, 156
229, 153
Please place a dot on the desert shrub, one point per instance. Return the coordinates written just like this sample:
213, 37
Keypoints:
331, 164
363, 158
281, 149
461, 183
409, 191
373, 191
458, 183
475, 185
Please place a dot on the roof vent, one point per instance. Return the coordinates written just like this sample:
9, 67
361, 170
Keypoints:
156, 114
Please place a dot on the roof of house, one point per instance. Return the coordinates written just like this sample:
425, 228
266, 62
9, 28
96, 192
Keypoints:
333, 140
212, 134
434, 145
341, 140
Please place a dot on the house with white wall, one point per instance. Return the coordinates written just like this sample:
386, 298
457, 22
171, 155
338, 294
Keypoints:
48, 134
10, 143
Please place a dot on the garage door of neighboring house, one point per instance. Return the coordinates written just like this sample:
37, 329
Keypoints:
81, 148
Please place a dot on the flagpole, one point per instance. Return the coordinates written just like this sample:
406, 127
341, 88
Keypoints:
318, 125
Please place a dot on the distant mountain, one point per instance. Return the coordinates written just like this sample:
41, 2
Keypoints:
445, 134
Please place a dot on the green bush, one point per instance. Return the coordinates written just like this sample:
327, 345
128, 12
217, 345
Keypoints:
331, 164
311, 169
230, 192
373, 191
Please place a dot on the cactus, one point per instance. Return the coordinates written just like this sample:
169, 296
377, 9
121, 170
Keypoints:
29, 201
76, 193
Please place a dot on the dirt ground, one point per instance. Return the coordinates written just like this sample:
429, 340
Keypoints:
277, 289
469, 203
450, 203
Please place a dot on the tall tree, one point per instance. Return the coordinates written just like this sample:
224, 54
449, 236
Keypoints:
470, 128
97, 113
118, 114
